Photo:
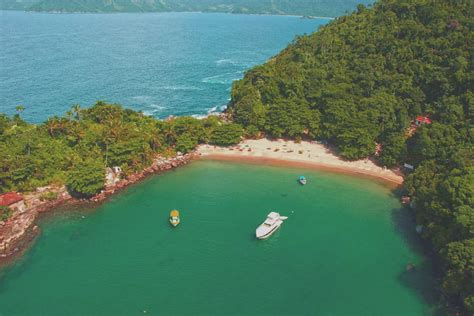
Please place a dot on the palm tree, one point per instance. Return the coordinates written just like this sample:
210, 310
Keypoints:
170, 132
76, 109
52, 124
19, 109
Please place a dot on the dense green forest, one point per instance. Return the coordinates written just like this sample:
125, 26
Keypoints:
75, 149
296, 7
359, 84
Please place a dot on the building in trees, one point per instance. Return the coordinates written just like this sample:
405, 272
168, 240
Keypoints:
420, 120
13, 200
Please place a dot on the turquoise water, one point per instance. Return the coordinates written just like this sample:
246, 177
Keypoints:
343, 250
161, 63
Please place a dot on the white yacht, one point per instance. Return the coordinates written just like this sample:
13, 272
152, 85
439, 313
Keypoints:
270, 225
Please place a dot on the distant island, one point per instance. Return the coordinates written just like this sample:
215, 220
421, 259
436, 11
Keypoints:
308, 8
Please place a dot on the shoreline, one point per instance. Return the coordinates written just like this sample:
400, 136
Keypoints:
308, 155
275, 162
19, 231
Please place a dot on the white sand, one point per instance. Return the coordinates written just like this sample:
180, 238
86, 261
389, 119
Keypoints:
309, 154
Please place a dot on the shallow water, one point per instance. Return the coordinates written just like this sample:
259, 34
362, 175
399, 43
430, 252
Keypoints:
161, 63
343, 250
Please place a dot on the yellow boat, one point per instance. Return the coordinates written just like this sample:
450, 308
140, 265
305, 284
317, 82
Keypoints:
174, 218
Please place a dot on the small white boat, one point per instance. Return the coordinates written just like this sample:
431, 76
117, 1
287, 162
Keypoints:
270, 225
302, 180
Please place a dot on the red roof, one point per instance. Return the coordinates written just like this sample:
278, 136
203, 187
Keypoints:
423, 119
10, 198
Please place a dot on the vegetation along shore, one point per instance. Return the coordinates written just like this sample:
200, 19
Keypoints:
88, 155
302, 154
393, 83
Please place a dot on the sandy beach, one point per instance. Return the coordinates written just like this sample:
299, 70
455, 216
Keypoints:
304, 154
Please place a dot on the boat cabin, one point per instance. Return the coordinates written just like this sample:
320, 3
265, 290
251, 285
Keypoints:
271, 218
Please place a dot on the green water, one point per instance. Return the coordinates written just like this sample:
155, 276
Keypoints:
341, 252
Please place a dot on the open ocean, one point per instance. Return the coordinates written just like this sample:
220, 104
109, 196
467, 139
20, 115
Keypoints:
161, 63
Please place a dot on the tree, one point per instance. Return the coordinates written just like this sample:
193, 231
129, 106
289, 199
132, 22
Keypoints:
186, 142
227, 135
362, 80
356, 144
5, 213
86, 179
459, 260
394, 149
19, 108
76, 109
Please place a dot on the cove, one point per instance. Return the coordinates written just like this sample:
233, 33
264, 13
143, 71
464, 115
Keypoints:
343, 250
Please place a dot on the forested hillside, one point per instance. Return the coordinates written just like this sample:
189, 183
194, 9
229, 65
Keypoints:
360, 83
296, 7
16, 4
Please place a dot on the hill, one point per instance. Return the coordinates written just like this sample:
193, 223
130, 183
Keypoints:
394, 83
16, 4
295, 7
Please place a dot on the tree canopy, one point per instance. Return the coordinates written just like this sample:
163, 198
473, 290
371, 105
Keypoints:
75, 149
360, 83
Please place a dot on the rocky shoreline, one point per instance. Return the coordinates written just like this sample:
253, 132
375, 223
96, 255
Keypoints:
21, 227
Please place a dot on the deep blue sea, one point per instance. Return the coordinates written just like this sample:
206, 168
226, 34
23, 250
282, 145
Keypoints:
161, 63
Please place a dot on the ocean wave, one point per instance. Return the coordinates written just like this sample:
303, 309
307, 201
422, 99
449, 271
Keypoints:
142, 98
155, 108
200, 116
216, 110
178, 88
226, 78
227, 62
213, 109
233, 62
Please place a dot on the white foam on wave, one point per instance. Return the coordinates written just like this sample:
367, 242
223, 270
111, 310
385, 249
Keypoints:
226, 78
233, 62
155, 108
173, 88
142, 98
215, 110
199, 116
226, 61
